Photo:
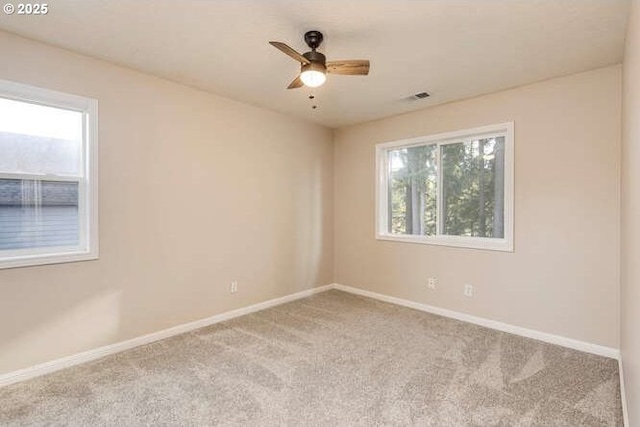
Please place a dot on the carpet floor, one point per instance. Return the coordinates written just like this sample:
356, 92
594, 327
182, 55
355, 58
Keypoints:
333, 359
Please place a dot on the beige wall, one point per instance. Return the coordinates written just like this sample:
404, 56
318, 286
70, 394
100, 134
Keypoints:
630, 322
563, 277
195, 191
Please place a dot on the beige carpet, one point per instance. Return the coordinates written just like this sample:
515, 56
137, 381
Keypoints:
333, 359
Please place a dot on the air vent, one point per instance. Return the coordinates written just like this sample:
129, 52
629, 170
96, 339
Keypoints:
416, 96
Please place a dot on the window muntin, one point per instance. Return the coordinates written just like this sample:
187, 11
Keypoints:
452, 189
48, 176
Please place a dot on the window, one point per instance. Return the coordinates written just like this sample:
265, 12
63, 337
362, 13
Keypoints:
453, 189
48, 176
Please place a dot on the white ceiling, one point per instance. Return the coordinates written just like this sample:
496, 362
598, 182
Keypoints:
452, 49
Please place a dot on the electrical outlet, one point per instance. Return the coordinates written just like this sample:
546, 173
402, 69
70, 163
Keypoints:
468, 290
234, 287
432, 283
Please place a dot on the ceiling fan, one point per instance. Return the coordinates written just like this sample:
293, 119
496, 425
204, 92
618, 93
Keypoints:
314, 66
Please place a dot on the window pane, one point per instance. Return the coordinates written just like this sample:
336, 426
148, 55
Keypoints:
412, 190
38, 214
473, 188
39, 139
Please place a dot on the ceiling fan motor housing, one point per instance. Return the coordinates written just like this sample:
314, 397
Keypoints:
316, 57
317, 62
314, 73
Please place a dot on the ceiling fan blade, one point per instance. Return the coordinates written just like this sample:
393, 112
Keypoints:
296, 83
289, 51
353, 67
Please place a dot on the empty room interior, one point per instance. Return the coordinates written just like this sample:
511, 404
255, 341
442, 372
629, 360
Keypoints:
320, 213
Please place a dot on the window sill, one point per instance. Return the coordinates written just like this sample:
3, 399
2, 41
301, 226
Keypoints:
502, 245
46, 259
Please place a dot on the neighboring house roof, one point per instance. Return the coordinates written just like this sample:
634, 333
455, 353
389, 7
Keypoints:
15, 192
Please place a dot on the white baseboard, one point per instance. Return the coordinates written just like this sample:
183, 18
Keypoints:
623, 394
65, 362
492, 324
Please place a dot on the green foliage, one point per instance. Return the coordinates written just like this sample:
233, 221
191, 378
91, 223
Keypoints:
472, 185
413, 190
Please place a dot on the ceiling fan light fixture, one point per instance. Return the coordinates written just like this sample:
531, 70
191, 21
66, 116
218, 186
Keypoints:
313, 74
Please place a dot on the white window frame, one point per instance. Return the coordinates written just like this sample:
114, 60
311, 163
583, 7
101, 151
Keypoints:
87, 183
382, 179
